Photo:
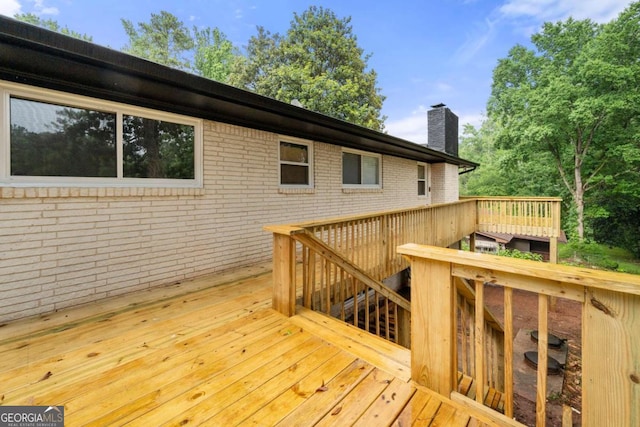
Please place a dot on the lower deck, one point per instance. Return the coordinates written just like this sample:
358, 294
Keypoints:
212, 352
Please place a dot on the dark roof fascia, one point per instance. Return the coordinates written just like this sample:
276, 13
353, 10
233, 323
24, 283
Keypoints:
34, 56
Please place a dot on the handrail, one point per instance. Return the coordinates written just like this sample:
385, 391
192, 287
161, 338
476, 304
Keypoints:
327, 252
610, 340
369, 240
335, 286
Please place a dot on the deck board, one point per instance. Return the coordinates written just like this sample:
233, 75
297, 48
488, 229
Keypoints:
211, 353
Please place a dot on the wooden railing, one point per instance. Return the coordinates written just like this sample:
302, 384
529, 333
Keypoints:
610, 328
333, 285
493, 333
370, 241
530, 216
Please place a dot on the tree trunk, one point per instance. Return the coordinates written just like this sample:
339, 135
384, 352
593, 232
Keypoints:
579, 199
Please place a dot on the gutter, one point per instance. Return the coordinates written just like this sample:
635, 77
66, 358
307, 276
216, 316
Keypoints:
34, 56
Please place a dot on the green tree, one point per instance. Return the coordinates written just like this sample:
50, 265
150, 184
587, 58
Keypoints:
574, 101
214, 54
52, 25
164, 40
319, 63
502, 171
479, 146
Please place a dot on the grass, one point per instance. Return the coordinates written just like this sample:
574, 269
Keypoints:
595, 255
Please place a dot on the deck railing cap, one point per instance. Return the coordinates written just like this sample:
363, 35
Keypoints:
613, 281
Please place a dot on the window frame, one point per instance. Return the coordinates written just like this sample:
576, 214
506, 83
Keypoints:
362, 154
309, 164
427, 187
8, 90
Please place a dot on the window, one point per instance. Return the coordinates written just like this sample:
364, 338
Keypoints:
295, 164
56, 138
360, 169
423, 181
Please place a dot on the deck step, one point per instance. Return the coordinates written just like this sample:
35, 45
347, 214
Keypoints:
387, 356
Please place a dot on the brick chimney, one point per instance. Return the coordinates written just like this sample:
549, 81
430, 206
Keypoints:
442, 134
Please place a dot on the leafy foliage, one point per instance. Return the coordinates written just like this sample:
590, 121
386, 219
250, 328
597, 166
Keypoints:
574, 101
591, 254
214, 54
514, 253
164, 40
319, 63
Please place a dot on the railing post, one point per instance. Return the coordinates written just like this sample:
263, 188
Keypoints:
433, 357
284, 269
610, 355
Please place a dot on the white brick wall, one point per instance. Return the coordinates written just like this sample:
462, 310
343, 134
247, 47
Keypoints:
444, 183
65, 246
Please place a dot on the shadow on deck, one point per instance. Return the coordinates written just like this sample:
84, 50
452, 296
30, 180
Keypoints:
212, 352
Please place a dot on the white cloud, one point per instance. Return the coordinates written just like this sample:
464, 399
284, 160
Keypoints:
10, 7
443, 87
38, 7
482, 35
474, 120
559, 10
41, 9
414, 127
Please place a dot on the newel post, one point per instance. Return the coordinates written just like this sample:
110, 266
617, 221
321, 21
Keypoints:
433, 322
611, 358
284, 269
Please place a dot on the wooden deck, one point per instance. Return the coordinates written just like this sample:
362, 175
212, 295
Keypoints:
212, 352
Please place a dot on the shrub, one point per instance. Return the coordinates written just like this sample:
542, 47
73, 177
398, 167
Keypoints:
514, 253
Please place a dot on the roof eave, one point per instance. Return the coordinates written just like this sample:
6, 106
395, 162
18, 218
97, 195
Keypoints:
38, 57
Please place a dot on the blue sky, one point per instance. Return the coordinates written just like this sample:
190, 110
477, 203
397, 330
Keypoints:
424, 51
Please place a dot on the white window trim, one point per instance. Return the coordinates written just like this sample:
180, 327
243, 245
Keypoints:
45, 95
367, 154
427, 187
309, 145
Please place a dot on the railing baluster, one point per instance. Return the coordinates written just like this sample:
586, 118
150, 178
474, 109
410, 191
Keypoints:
313, 303
479, 344
462, 347
324, 283
343, 296
387, 322
355, 301
306, 293
472, 339
377, 311
508, 352
396, 326
543, 341
367, 308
